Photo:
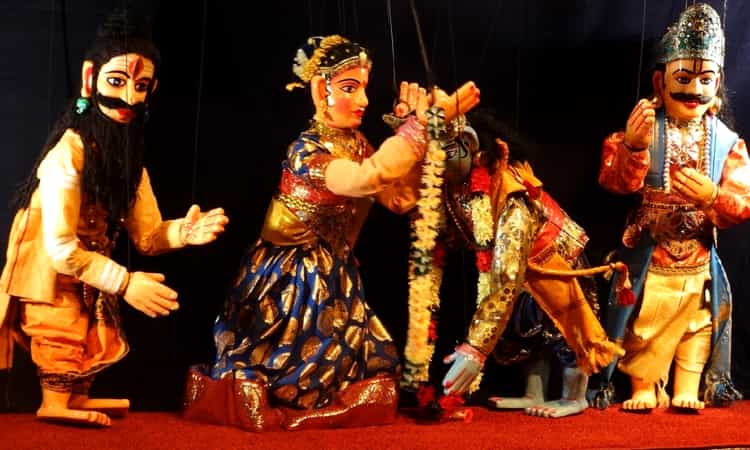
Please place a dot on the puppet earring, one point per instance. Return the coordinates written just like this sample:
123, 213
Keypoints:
82, 105
657, 101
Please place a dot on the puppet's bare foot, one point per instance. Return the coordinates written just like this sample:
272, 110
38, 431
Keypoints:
641, 401
514, 402
55, 408
644, 396
73, 416
687, 401
537, 373
558, 408
686, 384
115, 407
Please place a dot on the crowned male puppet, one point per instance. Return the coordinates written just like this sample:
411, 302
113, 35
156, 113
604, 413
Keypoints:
692, 174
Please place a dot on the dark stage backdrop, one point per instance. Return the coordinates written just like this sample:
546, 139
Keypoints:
564, 72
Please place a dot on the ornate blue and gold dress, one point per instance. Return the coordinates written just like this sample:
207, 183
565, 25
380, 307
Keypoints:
296, 319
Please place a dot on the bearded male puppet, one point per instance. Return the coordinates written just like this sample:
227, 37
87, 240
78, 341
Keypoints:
60, 290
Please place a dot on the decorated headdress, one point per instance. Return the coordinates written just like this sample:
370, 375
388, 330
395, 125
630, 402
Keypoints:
327, 56
697, 34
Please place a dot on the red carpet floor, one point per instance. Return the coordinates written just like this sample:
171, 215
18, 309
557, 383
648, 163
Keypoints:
611, 429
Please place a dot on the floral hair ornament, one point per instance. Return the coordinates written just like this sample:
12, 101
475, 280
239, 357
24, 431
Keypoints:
326, 56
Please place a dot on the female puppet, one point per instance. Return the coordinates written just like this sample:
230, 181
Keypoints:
693, 175
296, 331
59, 290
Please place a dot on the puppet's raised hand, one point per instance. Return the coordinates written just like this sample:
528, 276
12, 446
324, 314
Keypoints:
147, 293
460, 102
694, 186
639, 131
467, 363
200, 228
412, 97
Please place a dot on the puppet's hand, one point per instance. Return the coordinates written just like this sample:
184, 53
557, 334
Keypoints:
412, 98
201, 228
694, 186
460, 102
467, 363
639, 130
147, 293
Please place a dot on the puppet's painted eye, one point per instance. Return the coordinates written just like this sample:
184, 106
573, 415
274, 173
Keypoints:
115, 81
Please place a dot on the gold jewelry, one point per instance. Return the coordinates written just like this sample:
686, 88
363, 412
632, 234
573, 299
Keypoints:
124, 285
712, 200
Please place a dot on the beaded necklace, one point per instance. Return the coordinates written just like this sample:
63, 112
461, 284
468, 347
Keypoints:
677, 146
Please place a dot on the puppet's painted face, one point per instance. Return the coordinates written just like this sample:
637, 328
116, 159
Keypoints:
347, 99
690, 86
124, 81
458, 155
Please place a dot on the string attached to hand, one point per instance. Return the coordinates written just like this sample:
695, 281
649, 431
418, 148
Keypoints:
640, 56
194, 182
393, 47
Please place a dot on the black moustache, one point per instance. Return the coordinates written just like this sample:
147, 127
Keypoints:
683, 97
117, 103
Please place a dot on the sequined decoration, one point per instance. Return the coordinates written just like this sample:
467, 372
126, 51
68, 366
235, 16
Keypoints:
697, 34
313, 333
196, 385
513, 238
682, 147
302, 189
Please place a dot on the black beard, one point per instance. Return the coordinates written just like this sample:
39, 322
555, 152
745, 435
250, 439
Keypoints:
114, 155
683, 97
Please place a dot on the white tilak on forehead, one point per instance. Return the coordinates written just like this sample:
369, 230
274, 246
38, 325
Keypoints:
136, 66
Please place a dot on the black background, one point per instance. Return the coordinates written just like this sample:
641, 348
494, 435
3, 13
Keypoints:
564, 72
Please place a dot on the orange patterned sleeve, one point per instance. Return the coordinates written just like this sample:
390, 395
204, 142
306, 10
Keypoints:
732, 205
622, 171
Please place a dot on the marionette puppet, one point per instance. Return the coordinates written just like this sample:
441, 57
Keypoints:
693, 177
531, 339
297, 346
524, 242
60, 290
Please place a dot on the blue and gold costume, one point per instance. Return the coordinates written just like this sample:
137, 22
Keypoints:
297, 345
296, 318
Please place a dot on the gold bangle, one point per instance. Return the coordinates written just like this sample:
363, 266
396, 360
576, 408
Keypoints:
714, 196
631, 148
124, 286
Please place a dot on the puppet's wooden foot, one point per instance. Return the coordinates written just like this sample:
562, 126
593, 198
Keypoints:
686, 385
644, 396
113, 407
55, 409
